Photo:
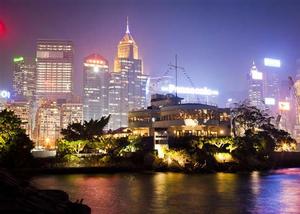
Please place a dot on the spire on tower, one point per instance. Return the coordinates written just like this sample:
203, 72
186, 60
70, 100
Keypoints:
127, 25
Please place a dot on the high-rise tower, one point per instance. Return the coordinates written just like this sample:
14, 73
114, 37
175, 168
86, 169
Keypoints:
24, 79
127, 88
256, 87
54, 61
95, 87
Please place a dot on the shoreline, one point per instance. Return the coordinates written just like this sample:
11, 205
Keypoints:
29, 172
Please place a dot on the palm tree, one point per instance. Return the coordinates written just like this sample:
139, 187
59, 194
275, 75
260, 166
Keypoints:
89, 130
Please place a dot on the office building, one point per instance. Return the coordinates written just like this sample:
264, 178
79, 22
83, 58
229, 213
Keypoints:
256, 87
271, 71
24, 79
54, 65
95, 87
127, 87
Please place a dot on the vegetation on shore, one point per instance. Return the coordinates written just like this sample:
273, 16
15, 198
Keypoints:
254, 140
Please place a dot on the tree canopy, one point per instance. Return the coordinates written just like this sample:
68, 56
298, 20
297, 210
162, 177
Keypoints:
15, 145
247, 117
89, 130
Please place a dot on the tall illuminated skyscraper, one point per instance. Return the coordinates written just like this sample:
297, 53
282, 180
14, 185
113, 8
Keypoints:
95, 87
272, 73
54, 61
256, 87
24, 79
127, 89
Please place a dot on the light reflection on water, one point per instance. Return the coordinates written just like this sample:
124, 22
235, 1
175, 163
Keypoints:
273, 192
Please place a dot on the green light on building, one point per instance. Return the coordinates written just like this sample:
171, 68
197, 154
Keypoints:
18, 59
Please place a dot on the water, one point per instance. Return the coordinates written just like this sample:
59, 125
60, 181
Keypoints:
274, 192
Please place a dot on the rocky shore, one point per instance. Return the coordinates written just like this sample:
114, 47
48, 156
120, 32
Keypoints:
18, 196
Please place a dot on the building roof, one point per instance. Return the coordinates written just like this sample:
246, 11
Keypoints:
95, 59
127, 38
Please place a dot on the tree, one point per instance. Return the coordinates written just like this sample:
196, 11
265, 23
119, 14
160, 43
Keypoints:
65, 147
246, 117
15, 145
89, 130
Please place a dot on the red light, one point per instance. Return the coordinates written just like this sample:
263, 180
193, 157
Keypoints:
2, 28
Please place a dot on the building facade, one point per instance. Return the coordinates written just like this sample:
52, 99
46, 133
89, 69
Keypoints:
54, 65
256, 87
127, 87
52, 117
48, 125
23, 111
71, 113
24, 79
167, 117
95, 87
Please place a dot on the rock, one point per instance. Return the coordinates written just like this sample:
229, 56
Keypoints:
19, 197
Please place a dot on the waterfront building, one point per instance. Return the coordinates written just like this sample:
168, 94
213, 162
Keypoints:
256, 87
54, 65
24, 79
127, 87
95, 87
167, 116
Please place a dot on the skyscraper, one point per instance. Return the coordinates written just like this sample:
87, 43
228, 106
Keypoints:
95, 87
127, 89
24, 79
271, 73
256, 87
54, 61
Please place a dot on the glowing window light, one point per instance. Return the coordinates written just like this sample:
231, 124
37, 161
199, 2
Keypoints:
256, 75
189, 90
272, 62
270, 101
284, 106
191, 122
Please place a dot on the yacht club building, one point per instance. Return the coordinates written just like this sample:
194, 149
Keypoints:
167, 116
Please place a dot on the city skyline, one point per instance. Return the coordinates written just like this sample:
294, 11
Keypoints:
204, 49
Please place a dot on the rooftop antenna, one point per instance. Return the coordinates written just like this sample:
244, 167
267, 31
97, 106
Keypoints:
127, 26
176, 67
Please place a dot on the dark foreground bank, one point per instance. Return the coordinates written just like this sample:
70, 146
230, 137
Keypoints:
17, 196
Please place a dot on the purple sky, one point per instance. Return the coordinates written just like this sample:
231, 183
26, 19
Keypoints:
216, 41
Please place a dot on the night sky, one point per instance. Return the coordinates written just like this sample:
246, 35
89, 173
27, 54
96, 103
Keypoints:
216, 41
